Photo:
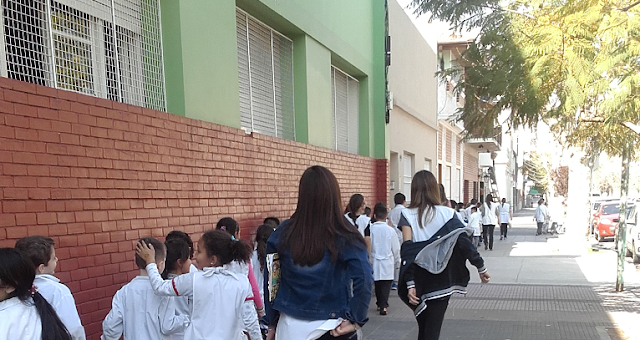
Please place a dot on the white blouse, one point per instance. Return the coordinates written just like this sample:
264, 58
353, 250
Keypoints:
60, 298
19, 320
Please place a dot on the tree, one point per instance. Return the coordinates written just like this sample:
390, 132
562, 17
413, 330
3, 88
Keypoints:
536, 171
560, 176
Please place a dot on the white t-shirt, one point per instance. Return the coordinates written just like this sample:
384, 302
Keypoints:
290, 328
440, 215
19, 320
138, 313
60, 298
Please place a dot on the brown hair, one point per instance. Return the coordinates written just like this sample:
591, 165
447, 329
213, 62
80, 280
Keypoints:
37, 248
355, 202
425, 195
158, 246
219, 243
318, 221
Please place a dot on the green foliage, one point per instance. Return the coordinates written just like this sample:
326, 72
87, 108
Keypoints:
536, 171
573, 64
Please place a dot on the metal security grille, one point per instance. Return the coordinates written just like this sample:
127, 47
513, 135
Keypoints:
265, 74
72, 45
345, 95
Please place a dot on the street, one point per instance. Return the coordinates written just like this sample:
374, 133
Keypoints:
542, 287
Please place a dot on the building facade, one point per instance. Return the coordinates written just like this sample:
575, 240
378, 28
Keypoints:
121, 119
413, 118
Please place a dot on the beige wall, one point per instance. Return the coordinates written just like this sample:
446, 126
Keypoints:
413, 124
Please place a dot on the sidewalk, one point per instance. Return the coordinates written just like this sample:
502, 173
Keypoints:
542, 288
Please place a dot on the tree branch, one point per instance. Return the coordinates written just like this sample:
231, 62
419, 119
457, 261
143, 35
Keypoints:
624, 9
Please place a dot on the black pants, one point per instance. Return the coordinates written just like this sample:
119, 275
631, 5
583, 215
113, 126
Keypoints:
487, 235
328, 336
383, 288
430, 320
540, 224
503, 229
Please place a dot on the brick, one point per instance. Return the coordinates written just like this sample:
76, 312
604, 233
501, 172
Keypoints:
84, 216
26, 219
37, 100
38, 193
35, 206
15, 194
17, 121
7, 220
16, 232
24, 158
25, 110
13, 206
85, 239
46, 218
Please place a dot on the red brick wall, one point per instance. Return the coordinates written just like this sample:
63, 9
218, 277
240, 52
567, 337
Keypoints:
96, 175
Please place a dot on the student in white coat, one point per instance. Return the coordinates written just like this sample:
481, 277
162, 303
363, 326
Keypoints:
385, 255
354, 212
474, 222
24, 313
137, 313
505, 215
218, 294
489, 220
394, 216
41, 252
178, 262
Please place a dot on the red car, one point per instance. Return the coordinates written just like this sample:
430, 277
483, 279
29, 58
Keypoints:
606, 219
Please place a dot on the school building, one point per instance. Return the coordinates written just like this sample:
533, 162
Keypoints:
121, 119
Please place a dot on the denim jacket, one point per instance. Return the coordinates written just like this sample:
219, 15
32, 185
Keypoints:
323, 291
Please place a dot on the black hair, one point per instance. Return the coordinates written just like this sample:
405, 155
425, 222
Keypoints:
219, 243
181, 235
399, 198
454, 204
474, 208
228, 224
37, 248
272, 220
367, 211
262, 235
177, 249
379, 211
159, 248
17, 271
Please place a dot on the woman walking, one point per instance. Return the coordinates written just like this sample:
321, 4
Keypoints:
489, 221
505, 216
434, 259
325, 277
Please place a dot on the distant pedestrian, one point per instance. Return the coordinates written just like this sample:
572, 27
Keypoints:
463, 212
474, 222
473, 203
541, 216
505, 214
434, 256
489, 220
385, 255
273, 221
354, 212
394, 216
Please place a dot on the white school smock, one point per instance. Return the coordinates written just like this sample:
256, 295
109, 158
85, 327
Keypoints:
490, 213
218, 299
504, 210
19, 320
249, 306
439, 216
183, 307
362, 222
60, 298
385, 251
474, 222
140, 314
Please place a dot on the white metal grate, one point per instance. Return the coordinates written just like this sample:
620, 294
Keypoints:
72, 45
265, 74
344, 90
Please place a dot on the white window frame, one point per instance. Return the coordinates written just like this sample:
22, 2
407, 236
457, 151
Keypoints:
407, 174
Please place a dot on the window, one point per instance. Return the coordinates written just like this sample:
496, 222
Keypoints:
456, 186
407, 161
427, 164
265, 74
345, 95
447, 181
73, 45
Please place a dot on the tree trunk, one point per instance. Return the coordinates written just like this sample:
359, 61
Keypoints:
622, 223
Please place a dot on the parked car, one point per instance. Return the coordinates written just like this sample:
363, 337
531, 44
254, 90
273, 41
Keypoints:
605, 221
595, 205
633, 235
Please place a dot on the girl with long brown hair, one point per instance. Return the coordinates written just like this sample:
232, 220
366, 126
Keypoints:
434, 253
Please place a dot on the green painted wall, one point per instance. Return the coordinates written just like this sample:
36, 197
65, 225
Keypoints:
204, 83
319, 98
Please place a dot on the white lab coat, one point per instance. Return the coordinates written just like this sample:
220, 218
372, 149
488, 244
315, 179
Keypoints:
60, 298
218, 299
249, 306
394, 217
19, 320
140, 314
542, 213
183, 307
385, 251
490, 217
504, 210
362, 222
474, 222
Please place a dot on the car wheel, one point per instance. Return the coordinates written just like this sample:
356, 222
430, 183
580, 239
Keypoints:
628, 253
636, 256
596, 234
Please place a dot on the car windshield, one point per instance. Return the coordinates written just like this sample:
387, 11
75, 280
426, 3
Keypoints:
596, 206
611, 209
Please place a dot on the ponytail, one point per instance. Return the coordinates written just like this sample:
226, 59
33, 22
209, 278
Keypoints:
240, 251
52, 327
262, 235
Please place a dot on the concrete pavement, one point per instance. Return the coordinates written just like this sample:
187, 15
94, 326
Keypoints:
542, 287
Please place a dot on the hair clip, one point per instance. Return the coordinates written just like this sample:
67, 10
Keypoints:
33, 290
233, 238
223, 228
